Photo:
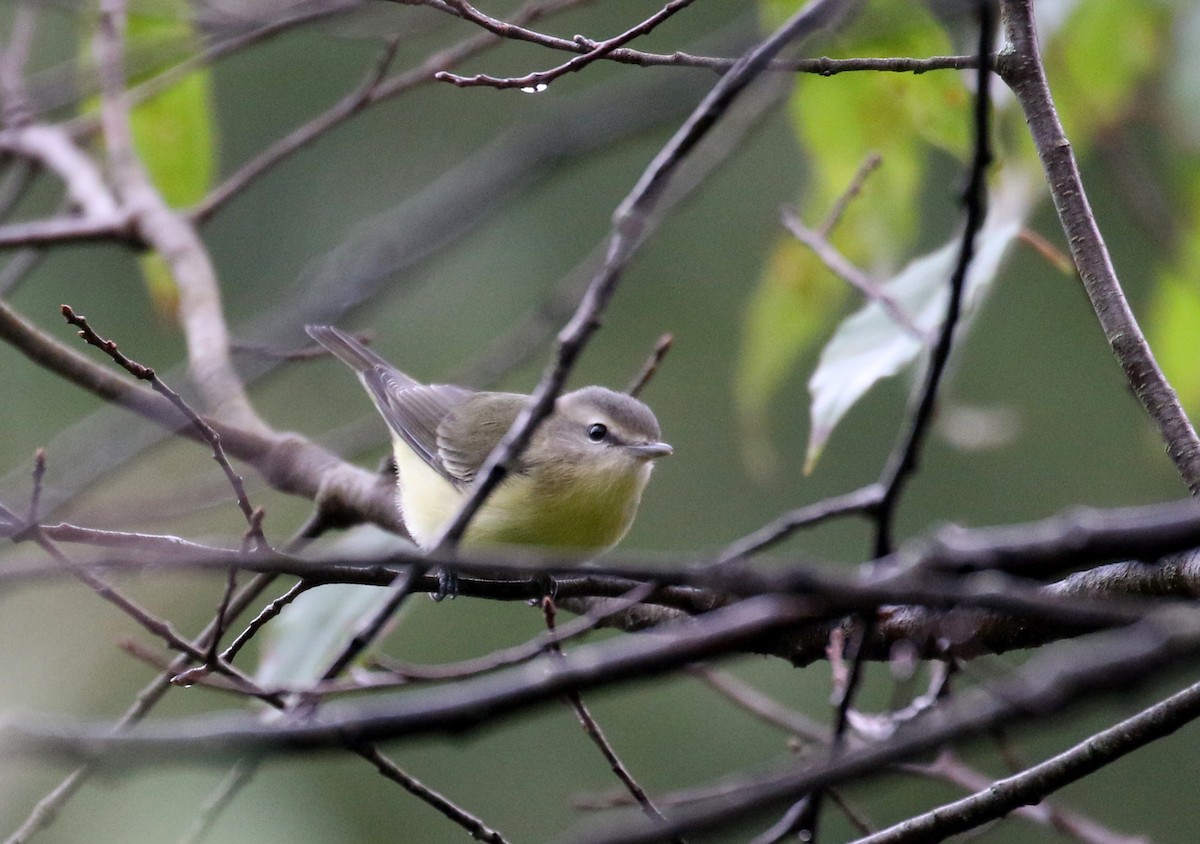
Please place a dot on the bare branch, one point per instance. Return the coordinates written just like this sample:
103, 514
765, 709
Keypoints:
1022, 69
834, 216
375, 89
845, 269
1037, 782
650, 367
170, 235
596, 734
1047, 683
54, 149
861, 501
365, 95
343, 492
145, 373
538, 80
823, 66
439, 710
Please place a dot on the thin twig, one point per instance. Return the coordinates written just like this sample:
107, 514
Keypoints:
904, 459
947, 767
214, 654
761, 706
538, 80
870, 165
1035, 783
823, 66
350, 105
650, 367
861, 501
518, 653
145, 373
152, 543
235, 781
846, 270
400, 588
472, 824
596, 734
391, 673
267, 613
374, 89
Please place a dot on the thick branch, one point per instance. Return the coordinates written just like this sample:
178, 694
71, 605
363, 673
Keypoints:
171, 235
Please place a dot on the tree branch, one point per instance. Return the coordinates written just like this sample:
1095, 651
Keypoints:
1021, 67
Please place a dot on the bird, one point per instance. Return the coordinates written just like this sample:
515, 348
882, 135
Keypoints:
574, 490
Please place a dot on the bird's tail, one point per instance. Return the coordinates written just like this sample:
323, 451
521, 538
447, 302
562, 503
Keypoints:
345, 348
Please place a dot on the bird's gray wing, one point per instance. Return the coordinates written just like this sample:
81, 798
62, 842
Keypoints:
411, 409
469, 432
415, 412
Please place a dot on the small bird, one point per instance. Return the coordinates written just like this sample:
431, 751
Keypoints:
575, 488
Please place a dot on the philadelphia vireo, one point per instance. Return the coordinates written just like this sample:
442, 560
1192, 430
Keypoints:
576, 486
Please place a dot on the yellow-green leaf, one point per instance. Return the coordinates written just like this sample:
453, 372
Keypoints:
1099, 58
795, 298
174, 130
841, 119
1174, 331
1173, 326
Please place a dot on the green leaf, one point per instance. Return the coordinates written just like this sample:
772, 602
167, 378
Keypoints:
1173, 326
842, 119
869, 346
175, 137
794, 299
173, 131
1174, 331
1099, 59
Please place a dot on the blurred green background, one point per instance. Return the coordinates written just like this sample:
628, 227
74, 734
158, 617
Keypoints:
465, 209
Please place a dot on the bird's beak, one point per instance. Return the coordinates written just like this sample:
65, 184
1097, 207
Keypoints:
651, 451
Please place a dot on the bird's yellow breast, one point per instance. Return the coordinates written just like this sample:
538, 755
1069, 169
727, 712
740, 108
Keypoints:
554, 507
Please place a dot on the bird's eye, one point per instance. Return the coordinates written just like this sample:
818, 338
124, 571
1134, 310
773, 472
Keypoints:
597, 432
